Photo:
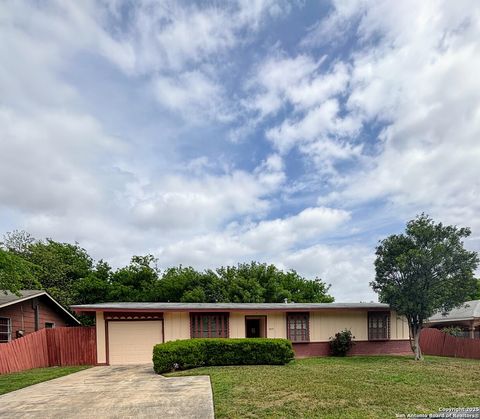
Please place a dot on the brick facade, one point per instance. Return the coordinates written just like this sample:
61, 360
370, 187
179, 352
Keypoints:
388, 347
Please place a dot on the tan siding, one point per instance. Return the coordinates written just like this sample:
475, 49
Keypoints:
399, 327
101, 345
277, 325
323, 325
237, 325
132, 342
177, 326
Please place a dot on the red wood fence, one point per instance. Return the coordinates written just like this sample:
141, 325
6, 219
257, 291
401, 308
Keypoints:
61, 346
435, 342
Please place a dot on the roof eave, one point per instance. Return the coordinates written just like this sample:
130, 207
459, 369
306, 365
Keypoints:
449, 319
39, 294
19, 300
79, 309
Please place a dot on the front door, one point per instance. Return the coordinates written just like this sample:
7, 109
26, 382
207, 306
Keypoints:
253, 328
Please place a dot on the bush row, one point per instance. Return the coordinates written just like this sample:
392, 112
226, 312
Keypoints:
192, 353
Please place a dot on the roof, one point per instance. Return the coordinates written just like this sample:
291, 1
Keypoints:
468, 311
8, 298
225, 306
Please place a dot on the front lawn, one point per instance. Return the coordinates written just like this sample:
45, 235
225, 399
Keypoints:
353, 387
17, 380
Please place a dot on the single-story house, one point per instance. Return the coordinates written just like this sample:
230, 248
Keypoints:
30, 311
127, 332
467, 317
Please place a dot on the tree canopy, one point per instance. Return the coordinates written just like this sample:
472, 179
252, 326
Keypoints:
71, 276
424, 270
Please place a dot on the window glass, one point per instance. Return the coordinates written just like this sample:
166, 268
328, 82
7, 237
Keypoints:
298, 327
209, 325
5, 329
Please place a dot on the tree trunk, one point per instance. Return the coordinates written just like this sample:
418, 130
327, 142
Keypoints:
415, 330
418, 350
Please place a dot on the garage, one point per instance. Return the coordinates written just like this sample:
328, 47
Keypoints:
132, 342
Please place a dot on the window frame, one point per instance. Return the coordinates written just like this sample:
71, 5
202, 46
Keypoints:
50, 323
9, 330
304, 318
373, 319
220, 320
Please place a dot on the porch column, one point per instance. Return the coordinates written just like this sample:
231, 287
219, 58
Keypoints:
472, 331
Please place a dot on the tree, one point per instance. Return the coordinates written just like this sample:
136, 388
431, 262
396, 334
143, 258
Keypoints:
135, 282
61, 265
95, 287
17, 242
16, 273
423, 271
476, 294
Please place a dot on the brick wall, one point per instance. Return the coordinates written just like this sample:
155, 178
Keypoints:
389, 347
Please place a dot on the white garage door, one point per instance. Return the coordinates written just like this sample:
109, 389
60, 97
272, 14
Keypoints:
131, 342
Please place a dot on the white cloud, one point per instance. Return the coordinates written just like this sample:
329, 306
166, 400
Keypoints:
193, 95
50, 161
316, 126
318, 123
207, 201
282, 234
422, 83
348, 268
268, 239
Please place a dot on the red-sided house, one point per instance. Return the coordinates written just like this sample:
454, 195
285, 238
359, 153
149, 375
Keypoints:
30, 311
127, 332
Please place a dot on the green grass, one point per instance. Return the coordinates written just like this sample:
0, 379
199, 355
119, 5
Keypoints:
17, 380
353, 387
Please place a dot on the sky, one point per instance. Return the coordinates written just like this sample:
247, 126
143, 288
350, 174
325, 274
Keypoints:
213, 133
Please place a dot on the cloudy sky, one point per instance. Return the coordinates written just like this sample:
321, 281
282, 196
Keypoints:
297, 133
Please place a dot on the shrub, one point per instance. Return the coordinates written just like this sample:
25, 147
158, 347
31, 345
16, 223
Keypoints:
192, 353
341, 343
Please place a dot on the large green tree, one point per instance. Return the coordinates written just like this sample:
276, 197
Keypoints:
61, 265
476, 294
67, 272
16, 273
425, 270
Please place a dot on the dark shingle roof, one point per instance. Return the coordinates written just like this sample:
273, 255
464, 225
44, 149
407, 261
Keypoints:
467, 311
7, 297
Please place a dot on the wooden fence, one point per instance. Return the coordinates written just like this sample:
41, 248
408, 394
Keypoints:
435, 342
61, 346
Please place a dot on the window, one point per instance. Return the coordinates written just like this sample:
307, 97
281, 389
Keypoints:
378, 325
5, 329
49, 325
298, 327
209, 325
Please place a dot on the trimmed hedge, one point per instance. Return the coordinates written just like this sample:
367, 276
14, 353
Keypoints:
192, 353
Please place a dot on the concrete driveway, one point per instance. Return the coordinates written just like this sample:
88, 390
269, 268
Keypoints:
112, 392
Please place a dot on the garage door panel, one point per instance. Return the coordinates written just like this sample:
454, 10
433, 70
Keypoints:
131, 342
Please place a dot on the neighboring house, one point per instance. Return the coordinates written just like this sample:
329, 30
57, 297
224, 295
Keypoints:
30, 311
126, 332
467, 317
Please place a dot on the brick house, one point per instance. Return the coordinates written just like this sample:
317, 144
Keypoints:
127, 332
30, 311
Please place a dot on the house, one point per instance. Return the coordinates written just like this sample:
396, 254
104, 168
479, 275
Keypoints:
30, 311
127, 332
467, 317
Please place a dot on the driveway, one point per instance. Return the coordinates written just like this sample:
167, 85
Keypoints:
112, 392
